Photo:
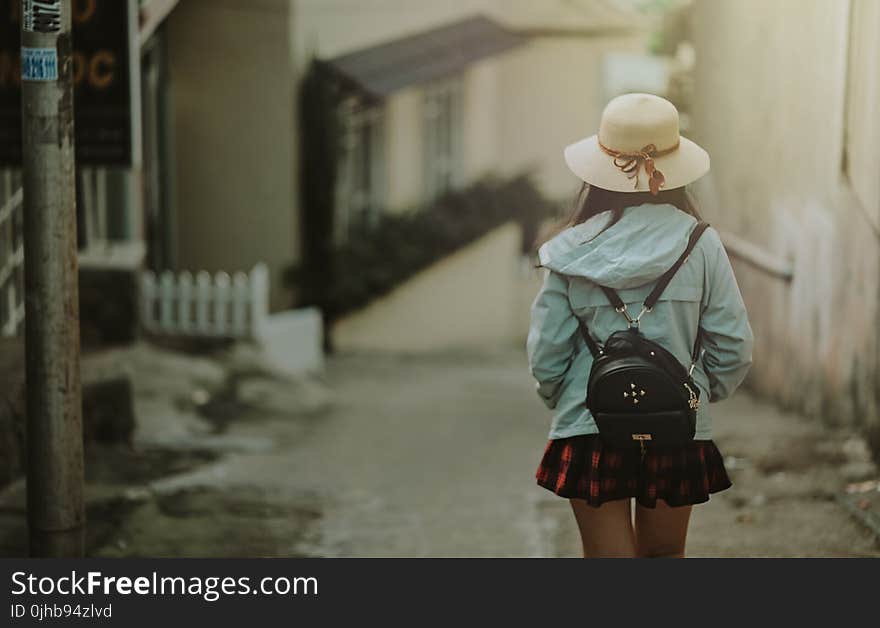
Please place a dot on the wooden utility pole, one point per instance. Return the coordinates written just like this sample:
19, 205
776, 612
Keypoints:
56, 515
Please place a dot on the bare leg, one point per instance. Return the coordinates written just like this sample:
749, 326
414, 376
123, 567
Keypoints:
661, 532
606, 531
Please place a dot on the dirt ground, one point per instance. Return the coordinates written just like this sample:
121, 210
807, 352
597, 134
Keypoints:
427, 456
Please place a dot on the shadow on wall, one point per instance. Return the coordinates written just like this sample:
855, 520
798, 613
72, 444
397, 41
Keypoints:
477, 298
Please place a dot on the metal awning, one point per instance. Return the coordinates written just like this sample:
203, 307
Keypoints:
383, 69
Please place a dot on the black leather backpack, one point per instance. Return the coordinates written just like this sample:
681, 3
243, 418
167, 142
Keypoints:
638, 392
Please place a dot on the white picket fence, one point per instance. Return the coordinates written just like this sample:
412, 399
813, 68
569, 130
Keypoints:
11, 255
214, 306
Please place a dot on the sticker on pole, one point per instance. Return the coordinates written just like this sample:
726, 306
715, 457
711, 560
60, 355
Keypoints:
41, 16
39, 64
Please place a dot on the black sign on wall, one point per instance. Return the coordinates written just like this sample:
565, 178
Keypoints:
102, 88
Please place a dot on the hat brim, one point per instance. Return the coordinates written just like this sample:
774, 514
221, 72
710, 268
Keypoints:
591, 164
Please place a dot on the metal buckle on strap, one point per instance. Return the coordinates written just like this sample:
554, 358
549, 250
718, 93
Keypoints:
622, 310
694, 362
633, 322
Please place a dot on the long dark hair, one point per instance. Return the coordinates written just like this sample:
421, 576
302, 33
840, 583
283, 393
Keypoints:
592, 201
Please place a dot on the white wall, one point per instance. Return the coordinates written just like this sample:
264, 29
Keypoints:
472, 299
771, 100
551, 96
481, 104
403, 149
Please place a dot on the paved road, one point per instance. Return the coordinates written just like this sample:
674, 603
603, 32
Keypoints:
435, 457
429, 456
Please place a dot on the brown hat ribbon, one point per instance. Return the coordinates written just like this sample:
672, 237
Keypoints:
630, 163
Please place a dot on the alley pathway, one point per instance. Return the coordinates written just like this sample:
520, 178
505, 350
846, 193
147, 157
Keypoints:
421, 456
435, 457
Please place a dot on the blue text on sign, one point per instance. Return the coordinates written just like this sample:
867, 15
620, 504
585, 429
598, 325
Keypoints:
39, 64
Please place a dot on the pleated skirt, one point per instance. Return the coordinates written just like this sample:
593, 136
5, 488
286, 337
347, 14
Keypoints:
586, 468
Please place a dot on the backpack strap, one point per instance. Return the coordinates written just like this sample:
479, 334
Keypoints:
651, 300
666, 277
695, 355
614, 298
662, 282
594, 348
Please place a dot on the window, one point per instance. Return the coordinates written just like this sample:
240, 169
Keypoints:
861, 153
442, 137
360, 187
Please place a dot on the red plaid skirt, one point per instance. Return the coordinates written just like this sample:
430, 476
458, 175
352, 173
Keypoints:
586, 468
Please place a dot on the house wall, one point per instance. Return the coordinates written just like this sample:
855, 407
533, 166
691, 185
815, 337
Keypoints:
404, 131
234, 113
521, 107
482, 103
403, 149
232, 75
551, 94
770, 107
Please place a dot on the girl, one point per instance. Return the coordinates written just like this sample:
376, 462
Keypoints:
631, 224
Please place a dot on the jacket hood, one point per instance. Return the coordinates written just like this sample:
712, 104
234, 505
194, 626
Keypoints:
637, 250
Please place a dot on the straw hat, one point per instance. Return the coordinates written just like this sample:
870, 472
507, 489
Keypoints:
638, 148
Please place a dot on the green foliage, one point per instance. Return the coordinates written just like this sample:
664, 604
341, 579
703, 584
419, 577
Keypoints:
377, 257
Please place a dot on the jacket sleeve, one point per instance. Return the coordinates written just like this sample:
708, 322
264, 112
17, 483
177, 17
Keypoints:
727, 336
551, 342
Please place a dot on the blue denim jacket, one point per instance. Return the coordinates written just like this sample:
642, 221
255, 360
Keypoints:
629, 257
